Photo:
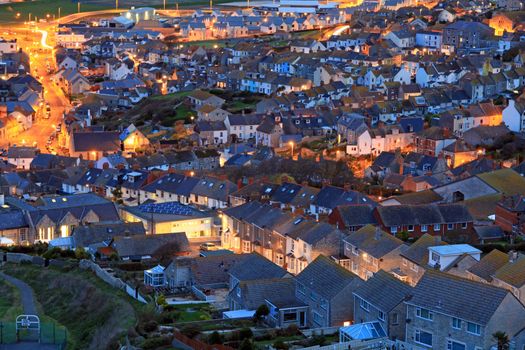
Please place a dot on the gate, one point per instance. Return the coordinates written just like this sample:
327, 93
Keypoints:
28, 328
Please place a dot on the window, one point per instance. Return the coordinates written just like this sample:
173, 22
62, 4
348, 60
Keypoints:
437, 227
456, 323
450, 226
454, 345
424, 314
381, 316
424, 228
393, 229
238, 291
354, 250
414, 267
364, 305
410, 228
463, 225
355, 267
436, 257
473, 328
290, 316
423, 337
395, 318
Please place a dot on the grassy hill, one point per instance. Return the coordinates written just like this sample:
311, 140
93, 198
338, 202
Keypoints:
95, 314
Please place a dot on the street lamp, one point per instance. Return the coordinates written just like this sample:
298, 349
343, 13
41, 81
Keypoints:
291, 145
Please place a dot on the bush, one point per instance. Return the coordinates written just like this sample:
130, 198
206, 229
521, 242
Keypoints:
155, 343
150, 326
80, 254
291, 330
279, 344
191, 330
161, 300
245, 333
215, 338
246, 344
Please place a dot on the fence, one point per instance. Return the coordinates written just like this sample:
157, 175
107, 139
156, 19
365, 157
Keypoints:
111, 280
49, 333
198, 345
373, 344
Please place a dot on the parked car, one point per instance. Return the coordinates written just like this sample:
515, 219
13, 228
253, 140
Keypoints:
208, 246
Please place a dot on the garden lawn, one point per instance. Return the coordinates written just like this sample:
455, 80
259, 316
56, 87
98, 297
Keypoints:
192, 312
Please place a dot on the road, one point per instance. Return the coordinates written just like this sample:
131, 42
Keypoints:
39, 44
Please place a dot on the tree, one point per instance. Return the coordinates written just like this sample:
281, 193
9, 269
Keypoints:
502, 340
245, 333
246, 344
81, 254
262, 311
215, 338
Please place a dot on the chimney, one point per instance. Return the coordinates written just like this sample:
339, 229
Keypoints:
513, 256
378, 233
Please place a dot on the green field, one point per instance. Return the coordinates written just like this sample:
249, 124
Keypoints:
42, 8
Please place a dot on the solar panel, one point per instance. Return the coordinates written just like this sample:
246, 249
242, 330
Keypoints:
173, 208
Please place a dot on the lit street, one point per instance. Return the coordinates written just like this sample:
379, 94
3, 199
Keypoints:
38, 45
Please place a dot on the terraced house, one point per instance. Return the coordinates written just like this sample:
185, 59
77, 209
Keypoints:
291, 242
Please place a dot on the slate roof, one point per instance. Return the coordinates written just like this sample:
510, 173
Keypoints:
356, 215
278, 290
214, 188
425, 214
85, 235
326, 278
142, 245
214, 269
513, 273
12, 218
330, 197
384, 291
487, 266
418, 251
22, 152
373, 241
103, 141
256, 267
458, 297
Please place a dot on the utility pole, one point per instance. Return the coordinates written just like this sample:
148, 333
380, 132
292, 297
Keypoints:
211, 5
59, 12
116, 4
78, 7
164, 4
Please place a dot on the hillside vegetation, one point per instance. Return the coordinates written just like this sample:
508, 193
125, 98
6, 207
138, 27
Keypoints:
95, 315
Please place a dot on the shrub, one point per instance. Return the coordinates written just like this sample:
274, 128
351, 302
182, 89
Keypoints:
215, 338
191, 330
155, 343
279, 344
150, 326
245, 333
80, 254
291, 330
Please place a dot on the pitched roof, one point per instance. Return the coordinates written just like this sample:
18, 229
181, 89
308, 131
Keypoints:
103, 141
326, 277
454, 296
384, 291
356, 214
418, 251
256, 267
373, 241
489, 264
280, 291
513, 272
142, 245
85, 235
